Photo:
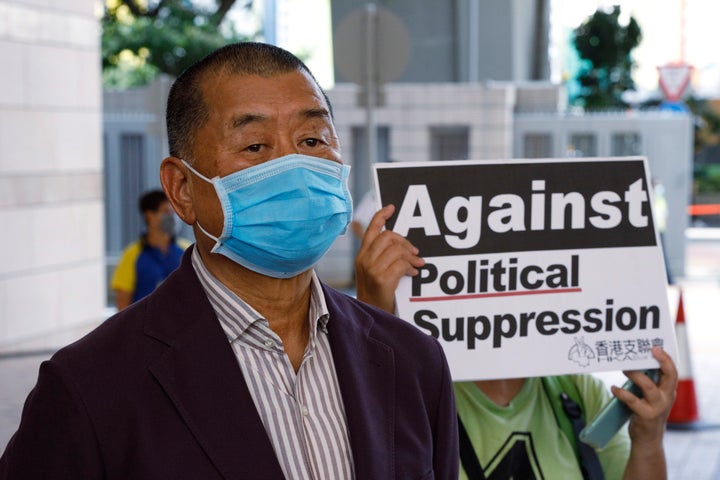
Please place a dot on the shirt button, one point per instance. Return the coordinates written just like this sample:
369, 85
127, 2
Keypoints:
269, 343
304, 410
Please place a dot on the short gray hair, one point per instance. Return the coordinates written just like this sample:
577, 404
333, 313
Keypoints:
186, 110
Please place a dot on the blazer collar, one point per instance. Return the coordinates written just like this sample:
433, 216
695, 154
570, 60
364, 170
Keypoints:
366, 374
200, 374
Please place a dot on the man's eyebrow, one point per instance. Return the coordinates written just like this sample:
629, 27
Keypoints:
240, 121
315, 113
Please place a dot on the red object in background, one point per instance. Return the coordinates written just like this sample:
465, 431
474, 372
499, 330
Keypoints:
705, 209
685, 409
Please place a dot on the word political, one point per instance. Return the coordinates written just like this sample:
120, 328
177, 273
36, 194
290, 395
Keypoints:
464, 216
474, 329
480, 276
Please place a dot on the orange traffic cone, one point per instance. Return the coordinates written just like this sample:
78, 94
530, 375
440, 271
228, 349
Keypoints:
684, 414
685, 408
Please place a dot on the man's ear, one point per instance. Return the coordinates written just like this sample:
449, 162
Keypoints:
174, 179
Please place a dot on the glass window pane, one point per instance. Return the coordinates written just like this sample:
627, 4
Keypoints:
582, 145
626, 144
537, 145
450, 143
132, 181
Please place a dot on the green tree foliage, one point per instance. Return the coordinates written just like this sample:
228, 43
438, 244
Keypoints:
141, 38
605, 46
706, 170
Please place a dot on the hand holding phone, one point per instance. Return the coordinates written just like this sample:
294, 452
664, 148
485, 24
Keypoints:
612, 416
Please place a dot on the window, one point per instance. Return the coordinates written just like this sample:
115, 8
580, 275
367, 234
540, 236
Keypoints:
582, 145
450, 143
626, 144
537, 145
132, 159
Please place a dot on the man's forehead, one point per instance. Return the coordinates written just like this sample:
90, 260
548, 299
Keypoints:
211, 81
252, 102
241, 119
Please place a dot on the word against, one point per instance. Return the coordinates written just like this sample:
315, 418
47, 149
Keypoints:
506, 212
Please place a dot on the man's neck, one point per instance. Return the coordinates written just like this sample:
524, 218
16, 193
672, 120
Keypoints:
158, 239
283, 302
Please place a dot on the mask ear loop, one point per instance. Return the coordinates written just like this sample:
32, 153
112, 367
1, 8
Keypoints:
203, 177
195, 171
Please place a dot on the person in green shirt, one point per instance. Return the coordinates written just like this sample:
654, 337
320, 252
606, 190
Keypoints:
510, 422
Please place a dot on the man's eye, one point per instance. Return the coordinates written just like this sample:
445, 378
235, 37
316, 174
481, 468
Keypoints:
312, 142
254, 148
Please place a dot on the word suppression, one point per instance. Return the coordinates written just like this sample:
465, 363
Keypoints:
473, 329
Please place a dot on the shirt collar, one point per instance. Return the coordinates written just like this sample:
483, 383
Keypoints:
236, 316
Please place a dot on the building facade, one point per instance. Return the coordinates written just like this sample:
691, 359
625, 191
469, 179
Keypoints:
467, 40
421, 122
664, 138
51, 198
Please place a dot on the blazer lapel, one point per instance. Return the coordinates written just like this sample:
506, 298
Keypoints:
200, 374
366, 375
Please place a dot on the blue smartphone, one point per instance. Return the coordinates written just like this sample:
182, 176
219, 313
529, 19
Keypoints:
612, 416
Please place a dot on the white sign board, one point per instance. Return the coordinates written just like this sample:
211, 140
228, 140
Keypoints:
533, 267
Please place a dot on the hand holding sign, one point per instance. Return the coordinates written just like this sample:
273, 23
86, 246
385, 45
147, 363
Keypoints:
651, 411
383, 259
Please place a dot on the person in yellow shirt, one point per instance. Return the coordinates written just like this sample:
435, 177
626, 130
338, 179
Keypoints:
149, 260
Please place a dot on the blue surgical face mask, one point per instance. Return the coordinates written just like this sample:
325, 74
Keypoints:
281, 216
167, 224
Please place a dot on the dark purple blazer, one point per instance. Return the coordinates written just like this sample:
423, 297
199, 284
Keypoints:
156, 393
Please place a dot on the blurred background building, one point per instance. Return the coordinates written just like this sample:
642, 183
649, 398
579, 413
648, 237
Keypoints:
52, 260
485, 79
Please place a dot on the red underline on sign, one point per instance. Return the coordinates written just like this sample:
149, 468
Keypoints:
494, 294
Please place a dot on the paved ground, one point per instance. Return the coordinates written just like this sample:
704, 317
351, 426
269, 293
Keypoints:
691, 455
695, 455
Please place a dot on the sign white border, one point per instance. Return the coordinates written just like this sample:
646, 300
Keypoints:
598, 309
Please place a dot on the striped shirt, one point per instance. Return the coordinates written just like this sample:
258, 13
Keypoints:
303, 413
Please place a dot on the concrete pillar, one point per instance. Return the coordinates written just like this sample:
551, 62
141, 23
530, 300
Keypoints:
51, 201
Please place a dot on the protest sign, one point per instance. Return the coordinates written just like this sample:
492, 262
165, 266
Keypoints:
533, 267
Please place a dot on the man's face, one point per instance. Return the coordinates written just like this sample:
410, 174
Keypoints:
252, 120
153, 218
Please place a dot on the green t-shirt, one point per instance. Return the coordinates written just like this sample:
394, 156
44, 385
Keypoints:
523, 440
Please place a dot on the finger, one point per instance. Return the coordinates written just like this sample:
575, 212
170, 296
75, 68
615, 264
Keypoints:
641, 379
390, 243
657, 398
649, 401
389, 256
628, 398
377, 224
668, 370
668, 376
651, 405
402, 257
